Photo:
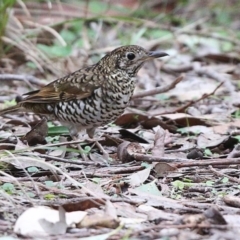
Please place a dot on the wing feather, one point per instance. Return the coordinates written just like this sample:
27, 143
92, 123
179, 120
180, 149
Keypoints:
77, 85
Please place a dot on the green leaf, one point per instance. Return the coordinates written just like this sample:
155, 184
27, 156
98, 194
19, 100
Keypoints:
8, 187
87, 150
96, 180
178, 184
150, 188
209, 183
49, 196
207, 152
32, 169
158, 33
52, 139
10, 103
57, 130
225, 180
31, 194
61, 51
137, 36
31, 65
146, 164
68, 36
95, 7
49, 183
55, 50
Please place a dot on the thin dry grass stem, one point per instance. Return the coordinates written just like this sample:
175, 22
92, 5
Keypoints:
39, 185
210, 34
27, 47
52, 167
59, 144
6, 77
152, 43
9, 199
24, 7
69, 193
26, 172
21, 47
21, 121
58, 159
102, 50
13, 179
29, 79
39, 27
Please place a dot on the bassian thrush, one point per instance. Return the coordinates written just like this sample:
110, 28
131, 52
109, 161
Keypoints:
92, 96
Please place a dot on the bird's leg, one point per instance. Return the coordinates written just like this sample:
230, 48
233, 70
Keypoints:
75, 136
90, 132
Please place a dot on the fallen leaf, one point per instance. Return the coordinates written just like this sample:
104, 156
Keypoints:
136, 179
98, 220
36, 221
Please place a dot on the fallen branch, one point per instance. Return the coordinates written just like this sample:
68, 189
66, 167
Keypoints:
214, 75
158, 89
184, 107
77, 162
26, 78
219, 174
213, 162
184, 162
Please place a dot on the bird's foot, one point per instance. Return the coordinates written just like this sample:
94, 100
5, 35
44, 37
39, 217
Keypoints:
82, 152
104, 153
100, 147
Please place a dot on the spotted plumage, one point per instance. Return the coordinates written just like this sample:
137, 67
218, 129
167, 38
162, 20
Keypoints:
93, 96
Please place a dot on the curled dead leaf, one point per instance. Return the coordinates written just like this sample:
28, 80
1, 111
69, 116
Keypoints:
126, 150
162, 169
37, 134
98, 220
158, 148
233, 201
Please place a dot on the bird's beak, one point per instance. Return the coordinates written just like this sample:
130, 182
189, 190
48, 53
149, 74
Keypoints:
157, 54
152, 54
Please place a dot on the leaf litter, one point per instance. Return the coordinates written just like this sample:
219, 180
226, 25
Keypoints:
174, 154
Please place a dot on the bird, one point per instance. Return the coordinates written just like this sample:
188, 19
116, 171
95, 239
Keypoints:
92, 96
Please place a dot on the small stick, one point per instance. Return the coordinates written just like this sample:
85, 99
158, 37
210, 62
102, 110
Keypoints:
26, 78
158, 89
184, 107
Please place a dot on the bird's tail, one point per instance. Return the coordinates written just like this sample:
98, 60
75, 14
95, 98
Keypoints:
12, 109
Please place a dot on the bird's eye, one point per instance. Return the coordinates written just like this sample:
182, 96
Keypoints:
130, 56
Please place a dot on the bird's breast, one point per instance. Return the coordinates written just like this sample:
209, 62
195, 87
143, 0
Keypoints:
104, 105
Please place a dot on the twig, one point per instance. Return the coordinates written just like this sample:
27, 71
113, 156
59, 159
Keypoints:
184, 226
28, 78
177, 69
214, 161
184, 162
158, 89
77, 162
184, 107
232, 179
214, 75
208, 34
150, 158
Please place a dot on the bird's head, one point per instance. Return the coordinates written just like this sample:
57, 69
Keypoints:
129, 58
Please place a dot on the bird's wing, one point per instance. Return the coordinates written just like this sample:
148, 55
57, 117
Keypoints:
77, 85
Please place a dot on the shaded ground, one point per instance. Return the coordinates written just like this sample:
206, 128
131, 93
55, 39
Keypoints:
174, 167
